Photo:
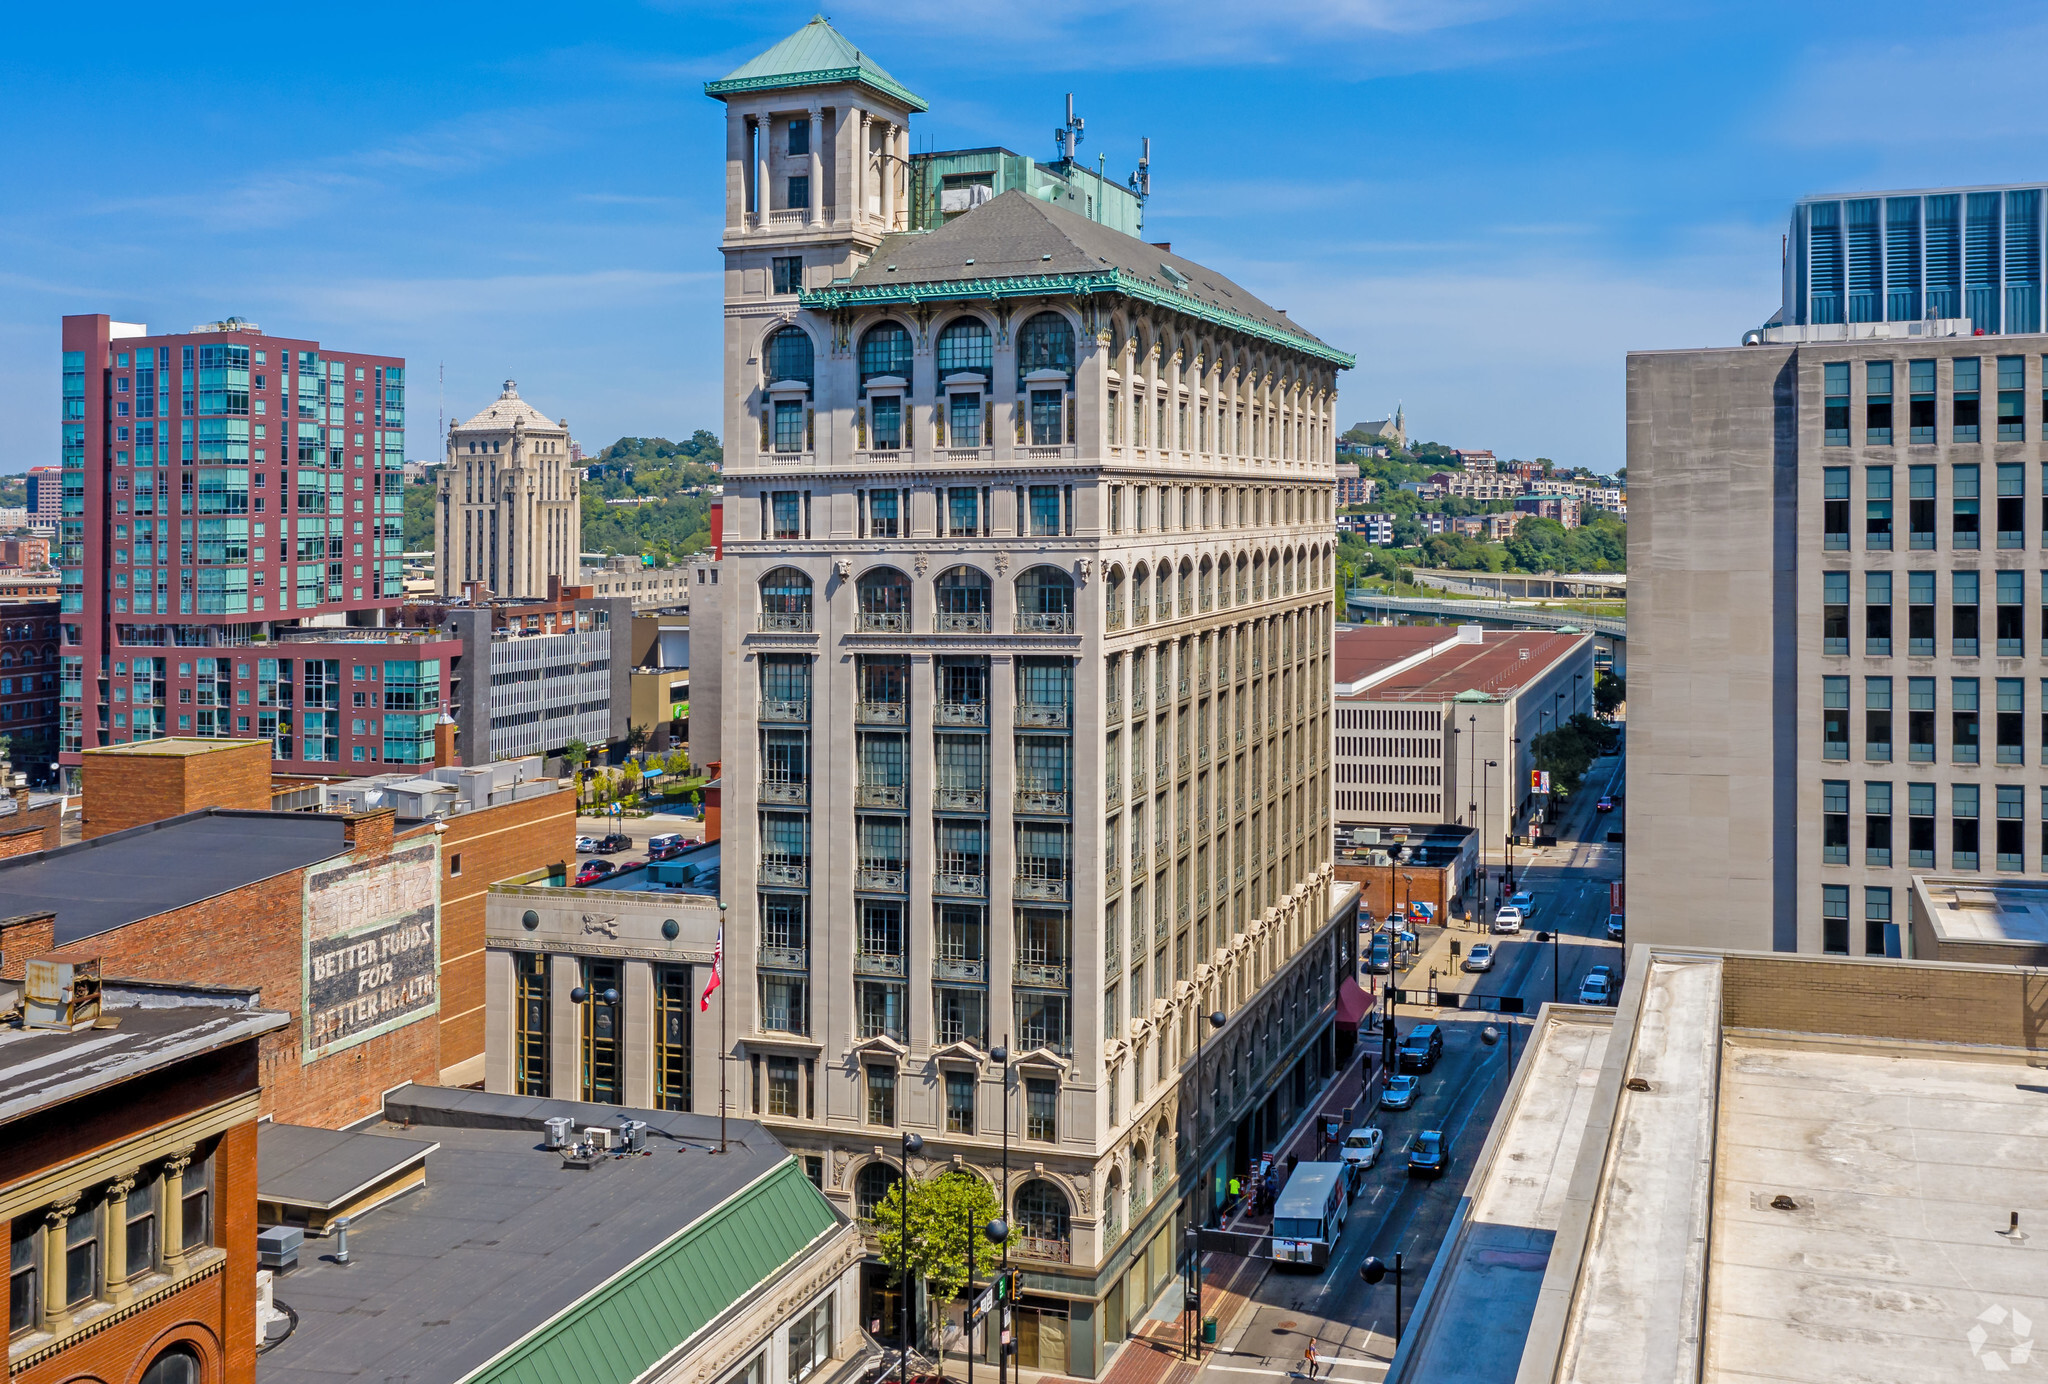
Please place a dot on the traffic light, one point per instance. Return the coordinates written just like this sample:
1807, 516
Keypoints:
1003, 1284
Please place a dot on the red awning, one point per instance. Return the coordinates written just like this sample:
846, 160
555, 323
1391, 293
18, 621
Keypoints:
1353, 1004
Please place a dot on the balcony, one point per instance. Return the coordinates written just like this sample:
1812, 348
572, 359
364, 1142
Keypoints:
1181, 838
1044, 802
1033, 716
882, 622
882, 879
1032, 1247
1112, 793
1045, 622
785, 872
956, 884
1114, 622
879, 964
961, 622
880, 713
960, 968
785, 958
1137, 861
778, 791
881, 795
799, 623
961, 714
1035, 888
960, 799
1042, 975
1112, 879
1115, 714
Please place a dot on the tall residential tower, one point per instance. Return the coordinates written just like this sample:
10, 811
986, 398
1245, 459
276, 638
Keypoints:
1027, 671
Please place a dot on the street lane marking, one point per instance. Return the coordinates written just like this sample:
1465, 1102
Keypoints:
1324, 1373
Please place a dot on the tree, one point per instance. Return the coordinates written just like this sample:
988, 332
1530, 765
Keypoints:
636, 737
944, 1212
576, 754
1610, 690
1569, 751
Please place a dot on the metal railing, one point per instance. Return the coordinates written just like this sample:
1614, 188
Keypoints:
960, 799
786, 958
785, 871
799, 623
878, 964
1045, 622
957, 885
881, 795
1034, 887
1044, 802
1045, 975
785, 709
1036, 716
968, 968
777, 791
1112, 879
961, 714
882, 622
881, 713
961, 622
1034, 1247
876, 879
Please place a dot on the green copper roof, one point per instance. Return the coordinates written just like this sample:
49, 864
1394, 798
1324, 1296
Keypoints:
621, 1330
815, 55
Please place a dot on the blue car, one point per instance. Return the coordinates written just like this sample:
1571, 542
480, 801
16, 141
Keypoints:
1429, 1154
1400, 1092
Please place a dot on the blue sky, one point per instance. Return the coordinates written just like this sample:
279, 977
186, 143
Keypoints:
1489, 202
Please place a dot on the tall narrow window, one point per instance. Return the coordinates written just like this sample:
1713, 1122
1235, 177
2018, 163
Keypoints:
1877, 508
672, 1002
1920, 403
1877, 824
1920, 614
1964, 406
1920, 507
82, 1254
1834, 613
196, 1219
1834, 919
2011, 725
530, 973
2012, 505
1920, 826
1877, 918
2011, 617
881, 1095
1834, 822
2012, 399
601, 1005
1963, 720
1920, 720
1963, 623
960, 1102
2011, 842
1877, 613
1963, 836
1877, 404
1877, 720
1965, 504
1834, 508
1834, 718
1835, 423
1041, 1109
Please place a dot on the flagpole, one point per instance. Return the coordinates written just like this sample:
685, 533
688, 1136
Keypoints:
724, 1045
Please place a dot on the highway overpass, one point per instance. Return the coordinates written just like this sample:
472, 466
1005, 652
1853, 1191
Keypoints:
1609, 633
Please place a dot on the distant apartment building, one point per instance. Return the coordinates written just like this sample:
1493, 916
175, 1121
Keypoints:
648, 588
1563, 508
28, 684
506, 506
230, 548
1354, 487
1836, 622
1434, 723
45, 496
1477, 485
1477, 460
28, 553
1373, 528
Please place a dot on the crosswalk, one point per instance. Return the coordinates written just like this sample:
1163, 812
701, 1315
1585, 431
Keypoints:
1343, 1371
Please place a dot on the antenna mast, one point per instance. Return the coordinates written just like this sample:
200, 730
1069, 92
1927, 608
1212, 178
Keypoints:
1068, 137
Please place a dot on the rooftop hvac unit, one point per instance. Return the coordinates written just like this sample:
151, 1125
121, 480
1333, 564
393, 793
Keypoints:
561, 1132
633, 1135
600, 1137
1365, 836
1378, 858
61, 994
277, 1247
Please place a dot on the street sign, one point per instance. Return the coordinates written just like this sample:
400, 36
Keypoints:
983, 1304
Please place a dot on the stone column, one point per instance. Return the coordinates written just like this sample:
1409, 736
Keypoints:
816, 216
170, 1216
114, 1239
764, 128
56, 1313
887, 173
565, 1029
859, 170
636, 1035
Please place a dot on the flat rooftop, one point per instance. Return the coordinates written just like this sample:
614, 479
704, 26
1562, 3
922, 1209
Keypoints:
695, 871
1389, 663
1994, 911
501, 1238
110, 881
168, 747
158, 1025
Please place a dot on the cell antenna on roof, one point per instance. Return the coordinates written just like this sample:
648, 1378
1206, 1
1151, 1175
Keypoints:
1068, 137
1141, 181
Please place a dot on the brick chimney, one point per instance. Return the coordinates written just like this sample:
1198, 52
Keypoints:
444, 744
369, 833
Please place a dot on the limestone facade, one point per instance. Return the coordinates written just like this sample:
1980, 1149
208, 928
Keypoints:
508, 511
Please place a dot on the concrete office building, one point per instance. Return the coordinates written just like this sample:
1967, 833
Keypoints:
540, 672
1434, 724
1027, 577
1836, 628
506, 506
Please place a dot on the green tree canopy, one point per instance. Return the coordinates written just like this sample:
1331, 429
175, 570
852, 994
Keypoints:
1569, 751
944, 1211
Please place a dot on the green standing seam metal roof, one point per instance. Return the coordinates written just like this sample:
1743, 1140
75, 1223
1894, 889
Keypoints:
815, 55
627, 1326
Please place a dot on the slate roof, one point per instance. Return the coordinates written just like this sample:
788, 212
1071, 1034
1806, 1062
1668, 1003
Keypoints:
110, 881
815, 55
1016, 238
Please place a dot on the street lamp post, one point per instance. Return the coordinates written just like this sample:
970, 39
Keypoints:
1216, 1020
1508, 836
1485, 795
1375, 1271
1551, 938
1491, 1035
998, 1232
912, 1143
1000, 1055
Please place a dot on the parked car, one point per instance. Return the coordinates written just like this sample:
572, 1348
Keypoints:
1606, 804
614, 843
1597, 987
666, 841
1379, 954
1422, 1047
1362, 1146
1525, 901
586, 845
594, 870
1430, 1154
1399, 1092
1509, 919
669, 852
1480, 957
1617, 930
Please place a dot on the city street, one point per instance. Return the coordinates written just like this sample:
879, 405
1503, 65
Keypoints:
1350, 1322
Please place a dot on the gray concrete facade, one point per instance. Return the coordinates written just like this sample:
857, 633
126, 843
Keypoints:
1837, 629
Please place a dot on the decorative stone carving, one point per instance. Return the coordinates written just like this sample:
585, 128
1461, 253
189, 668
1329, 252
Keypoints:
919, 563
594, 925
844, 567
1002, 563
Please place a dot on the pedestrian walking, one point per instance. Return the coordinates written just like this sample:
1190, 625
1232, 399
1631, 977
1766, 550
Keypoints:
1309, 1360
1236, 1191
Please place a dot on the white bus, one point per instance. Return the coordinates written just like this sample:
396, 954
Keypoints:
1309, 1215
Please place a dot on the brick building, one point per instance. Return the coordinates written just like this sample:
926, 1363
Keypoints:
45, 496
30, 551
128, 1179
1563, 508
28, 683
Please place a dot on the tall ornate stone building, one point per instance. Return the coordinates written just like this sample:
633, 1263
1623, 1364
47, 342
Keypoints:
509, 509
1027, 721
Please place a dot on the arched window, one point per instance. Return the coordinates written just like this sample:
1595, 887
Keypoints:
964, 348
1046, 342
1141, 1188
1140, 613
963, 600
1113, 597
1112, 1208
788, 356
884, 600
1187, 588
884, 350
786, 600
1045, 601
870, 1187
1042, 1218
177, 1365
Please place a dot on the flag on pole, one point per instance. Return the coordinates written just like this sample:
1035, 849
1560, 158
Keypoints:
717, 971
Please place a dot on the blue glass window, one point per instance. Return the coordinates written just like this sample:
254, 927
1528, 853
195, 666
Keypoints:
1835, 412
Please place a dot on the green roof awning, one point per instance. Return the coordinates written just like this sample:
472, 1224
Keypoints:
815, 55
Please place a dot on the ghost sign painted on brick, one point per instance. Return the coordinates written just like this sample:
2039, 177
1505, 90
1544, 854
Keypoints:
373, 946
